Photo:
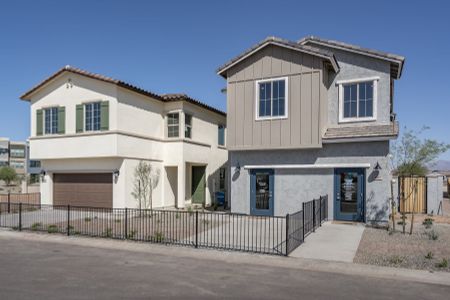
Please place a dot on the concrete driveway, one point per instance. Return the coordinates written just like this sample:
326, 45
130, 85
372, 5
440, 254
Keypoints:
332, 241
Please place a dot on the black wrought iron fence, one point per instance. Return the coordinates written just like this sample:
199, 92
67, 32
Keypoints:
200, 229
302, 223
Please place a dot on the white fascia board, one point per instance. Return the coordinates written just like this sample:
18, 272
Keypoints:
310, 166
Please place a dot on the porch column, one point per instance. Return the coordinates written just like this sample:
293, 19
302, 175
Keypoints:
181, 185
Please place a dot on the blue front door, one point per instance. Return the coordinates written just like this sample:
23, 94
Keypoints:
349, 194
261, 192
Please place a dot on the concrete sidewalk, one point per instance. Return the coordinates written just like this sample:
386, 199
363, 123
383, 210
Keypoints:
332, 242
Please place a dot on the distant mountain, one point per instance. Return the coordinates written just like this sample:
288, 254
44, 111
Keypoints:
440, 165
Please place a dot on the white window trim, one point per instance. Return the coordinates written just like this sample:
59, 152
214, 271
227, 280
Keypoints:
84, 115
44, 113
186, 125
286, 99
180, 124
341, 83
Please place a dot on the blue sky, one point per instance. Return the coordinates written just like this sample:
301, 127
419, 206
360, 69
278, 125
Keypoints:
176, 46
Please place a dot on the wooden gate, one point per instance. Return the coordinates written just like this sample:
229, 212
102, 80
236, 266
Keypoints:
413, 194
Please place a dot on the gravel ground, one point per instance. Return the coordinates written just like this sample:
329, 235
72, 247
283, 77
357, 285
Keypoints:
395, 249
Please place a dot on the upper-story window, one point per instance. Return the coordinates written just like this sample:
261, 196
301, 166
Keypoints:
187, 126
357, 100
221, 132
17, 152
92, 116
271, 98
173, 125
51, 120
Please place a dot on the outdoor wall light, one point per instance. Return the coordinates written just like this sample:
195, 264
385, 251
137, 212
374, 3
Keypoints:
43, 174
376, 171
238, 167
377, 167
116, 174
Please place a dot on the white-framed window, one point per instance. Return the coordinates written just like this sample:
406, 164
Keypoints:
187, 126
272, 98
173, 125
358, 100
51, 120
92, 116
221, 135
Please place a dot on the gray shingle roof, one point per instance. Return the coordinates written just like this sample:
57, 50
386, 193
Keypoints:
328, 55
369, 131
164, 98
397, 61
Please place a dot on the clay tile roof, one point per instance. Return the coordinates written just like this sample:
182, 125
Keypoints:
328, 55
128, 86
397, 61
184, 97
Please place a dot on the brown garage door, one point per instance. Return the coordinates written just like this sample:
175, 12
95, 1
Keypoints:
90, 189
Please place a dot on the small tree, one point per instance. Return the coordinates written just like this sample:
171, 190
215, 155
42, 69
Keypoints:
412, 154
146, 179
8, 175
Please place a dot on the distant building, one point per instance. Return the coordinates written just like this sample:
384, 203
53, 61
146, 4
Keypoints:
15, 154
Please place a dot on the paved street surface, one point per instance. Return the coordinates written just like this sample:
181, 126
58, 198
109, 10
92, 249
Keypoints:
38, 266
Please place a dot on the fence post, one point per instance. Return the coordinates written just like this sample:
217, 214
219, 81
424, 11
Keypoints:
303, 220
9, 202
320, 211
20, 216
68, 219
196, 229
314, 215
287, 234
126, 222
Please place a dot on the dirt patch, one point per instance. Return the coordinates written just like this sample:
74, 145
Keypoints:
428, 248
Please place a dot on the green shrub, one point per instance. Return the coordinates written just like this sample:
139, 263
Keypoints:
87, 219
108, 233
443, 263
52, 228
158, 237
36, 226
433, 235
395, 260
401, 222
132, 234
429, 255
428, 222
117, 220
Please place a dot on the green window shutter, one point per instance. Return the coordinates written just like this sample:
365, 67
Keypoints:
79, 118
104, 115
61, 120
39, 124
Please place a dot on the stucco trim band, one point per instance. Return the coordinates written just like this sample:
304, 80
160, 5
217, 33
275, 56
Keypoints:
309, 166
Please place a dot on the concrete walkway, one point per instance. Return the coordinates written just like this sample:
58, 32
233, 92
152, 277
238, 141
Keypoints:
332, 242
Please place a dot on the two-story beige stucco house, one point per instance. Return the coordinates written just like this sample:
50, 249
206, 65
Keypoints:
90, 131
310, 118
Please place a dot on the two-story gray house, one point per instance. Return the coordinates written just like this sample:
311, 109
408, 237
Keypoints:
310, 118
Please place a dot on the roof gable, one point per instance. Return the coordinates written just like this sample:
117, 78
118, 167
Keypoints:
164, 98
397, 61
327, 55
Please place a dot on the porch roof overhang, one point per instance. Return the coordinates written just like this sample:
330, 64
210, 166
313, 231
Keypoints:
310, 166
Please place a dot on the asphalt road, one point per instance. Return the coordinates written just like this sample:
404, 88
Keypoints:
47, 270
